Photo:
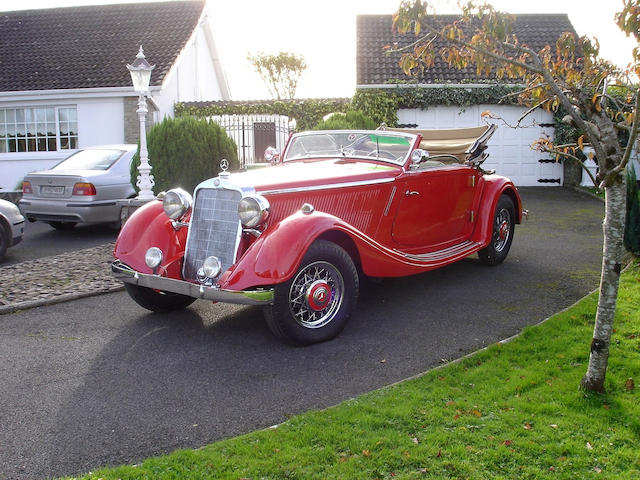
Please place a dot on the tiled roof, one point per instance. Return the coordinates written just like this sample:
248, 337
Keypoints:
90, 46
258, 103
375, 66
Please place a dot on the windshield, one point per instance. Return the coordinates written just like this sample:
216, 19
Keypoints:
378, 145
90, 160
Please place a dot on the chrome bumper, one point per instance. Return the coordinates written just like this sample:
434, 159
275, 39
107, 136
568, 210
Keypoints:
241, 297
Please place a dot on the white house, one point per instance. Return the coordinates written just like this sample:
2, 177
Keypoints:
64, 84
510, 152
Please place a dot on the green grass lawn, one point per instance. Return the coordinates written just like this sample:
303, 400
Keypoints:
512, 411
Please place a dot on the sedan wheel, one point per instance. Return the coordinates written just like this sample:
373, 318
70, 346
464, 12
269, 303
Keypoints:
63, 225
5, 240
316, 303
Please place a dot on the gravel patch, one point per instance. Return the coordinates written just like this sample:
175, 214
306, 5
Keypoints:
57, 278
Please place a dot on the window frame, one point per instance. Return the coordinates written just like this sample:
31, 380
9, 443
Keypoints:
71, 136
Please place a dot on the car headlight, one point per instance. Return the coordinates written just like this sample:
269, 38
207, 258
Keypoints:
153, 257
253, 210
176, 203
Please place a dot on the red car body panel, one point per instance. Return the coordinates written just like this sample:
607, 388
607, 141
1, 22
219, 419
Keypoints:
150, 227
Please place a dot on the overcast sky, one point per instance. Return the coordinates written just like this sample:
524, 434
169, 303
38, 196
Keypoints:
323, 33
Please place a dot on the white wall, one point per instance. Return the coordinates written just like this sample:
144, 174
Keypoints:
192, 78
100, 121
509, 148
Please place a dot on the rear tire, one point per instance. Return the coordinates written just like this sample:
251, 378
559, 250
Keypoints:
315, 304
503, 229
157, 301
63, 225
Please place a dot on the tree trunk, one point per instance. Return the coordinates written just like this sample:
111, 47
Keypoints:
612, 257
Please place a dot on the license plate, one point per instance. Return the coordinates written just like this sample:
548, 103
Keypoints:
52, 190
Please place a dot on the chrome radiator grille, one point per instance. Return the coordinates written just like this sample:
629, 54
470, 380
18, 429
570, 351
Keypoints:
213, 230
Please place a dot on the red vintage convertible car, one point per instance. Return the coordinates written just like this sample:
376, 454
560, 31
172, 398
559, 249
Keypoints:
295, 237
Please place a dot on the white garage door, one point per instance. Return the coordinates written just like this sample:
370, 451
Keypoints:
509, 148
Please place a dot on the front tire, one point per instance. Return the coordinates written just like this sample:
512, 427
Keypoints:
502, 235
315, 304
157, 301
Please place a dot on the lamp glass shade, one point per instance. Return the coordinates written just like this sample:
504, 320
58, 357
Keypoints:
140, 71
140, 78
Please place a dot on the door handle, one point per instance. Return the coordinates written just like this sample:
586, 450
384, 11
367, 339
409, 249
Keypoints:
409, 193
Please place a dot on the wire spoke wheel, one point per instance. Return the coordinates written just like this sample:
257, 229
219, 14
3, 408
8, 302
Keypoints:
502, 230
316, 294
316, 302
501, 237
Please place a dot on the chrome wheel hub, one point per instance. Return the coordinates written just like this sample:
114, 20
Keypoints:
316, 294
502, 230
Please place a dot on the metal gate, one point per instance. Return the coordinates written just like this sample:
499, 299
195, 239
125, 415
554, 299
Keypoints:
264, 134
254, 133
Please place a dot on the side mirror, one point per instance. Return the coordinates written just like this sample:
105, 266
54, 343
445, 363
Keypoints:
417, 156
272, 155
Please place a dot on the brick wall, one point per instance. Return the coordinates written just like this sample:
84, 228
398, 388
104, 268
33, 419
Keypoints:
131, 122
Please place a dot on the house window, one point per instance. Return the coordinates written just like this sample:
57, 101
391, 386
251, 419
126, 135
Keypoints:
38, 129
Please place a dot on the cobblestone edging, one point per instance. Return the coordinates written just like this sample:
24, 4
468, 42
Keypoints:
58, 278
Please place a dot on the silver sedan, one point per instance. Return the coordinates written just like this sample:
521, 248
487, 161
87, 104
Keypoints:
83, 188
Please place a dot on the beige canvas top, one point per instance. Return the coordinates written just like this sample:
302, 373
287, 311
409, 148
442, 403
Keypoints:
454, 141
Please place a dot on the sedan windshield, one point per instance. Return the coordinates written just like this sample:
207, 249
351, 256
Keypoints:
377, 145
90, 160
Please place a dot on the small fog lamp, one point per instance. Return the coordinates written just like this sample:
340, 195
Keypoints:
211, 267
153, 257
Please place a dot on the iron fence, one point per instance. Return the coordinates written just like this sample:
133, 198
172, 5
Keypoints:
254, 133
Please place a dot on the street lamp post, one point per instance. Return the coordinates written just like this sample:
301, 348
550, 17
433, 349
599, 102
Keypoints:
140, 71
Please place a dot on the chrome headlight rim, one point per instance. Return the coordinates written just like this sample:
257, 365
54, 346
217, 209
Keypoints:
176, 203
253, 210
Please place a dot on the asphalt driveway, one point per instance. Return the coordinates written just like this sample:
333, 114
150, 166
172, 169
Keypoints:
101, 381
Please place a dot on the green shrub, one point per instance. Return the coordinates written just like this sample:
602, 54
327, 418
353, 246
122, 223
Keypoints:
185, 151
632, 226
352, 120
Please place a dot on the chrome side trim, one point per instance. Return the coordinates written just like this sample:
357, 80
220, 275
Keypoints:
259, 296
456, 250
393, 194
327, 187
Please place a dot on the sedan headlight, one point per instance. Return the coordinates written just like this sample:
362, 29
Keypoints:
176, 203
253, 210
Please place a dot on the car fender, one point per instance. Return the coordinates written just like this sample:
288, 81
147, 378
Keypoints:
494, 186
150, 227
274, 257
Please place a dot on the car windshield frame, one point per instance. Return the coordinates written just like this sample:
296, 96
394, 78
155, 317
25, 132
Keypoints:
101, 159
380, 145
